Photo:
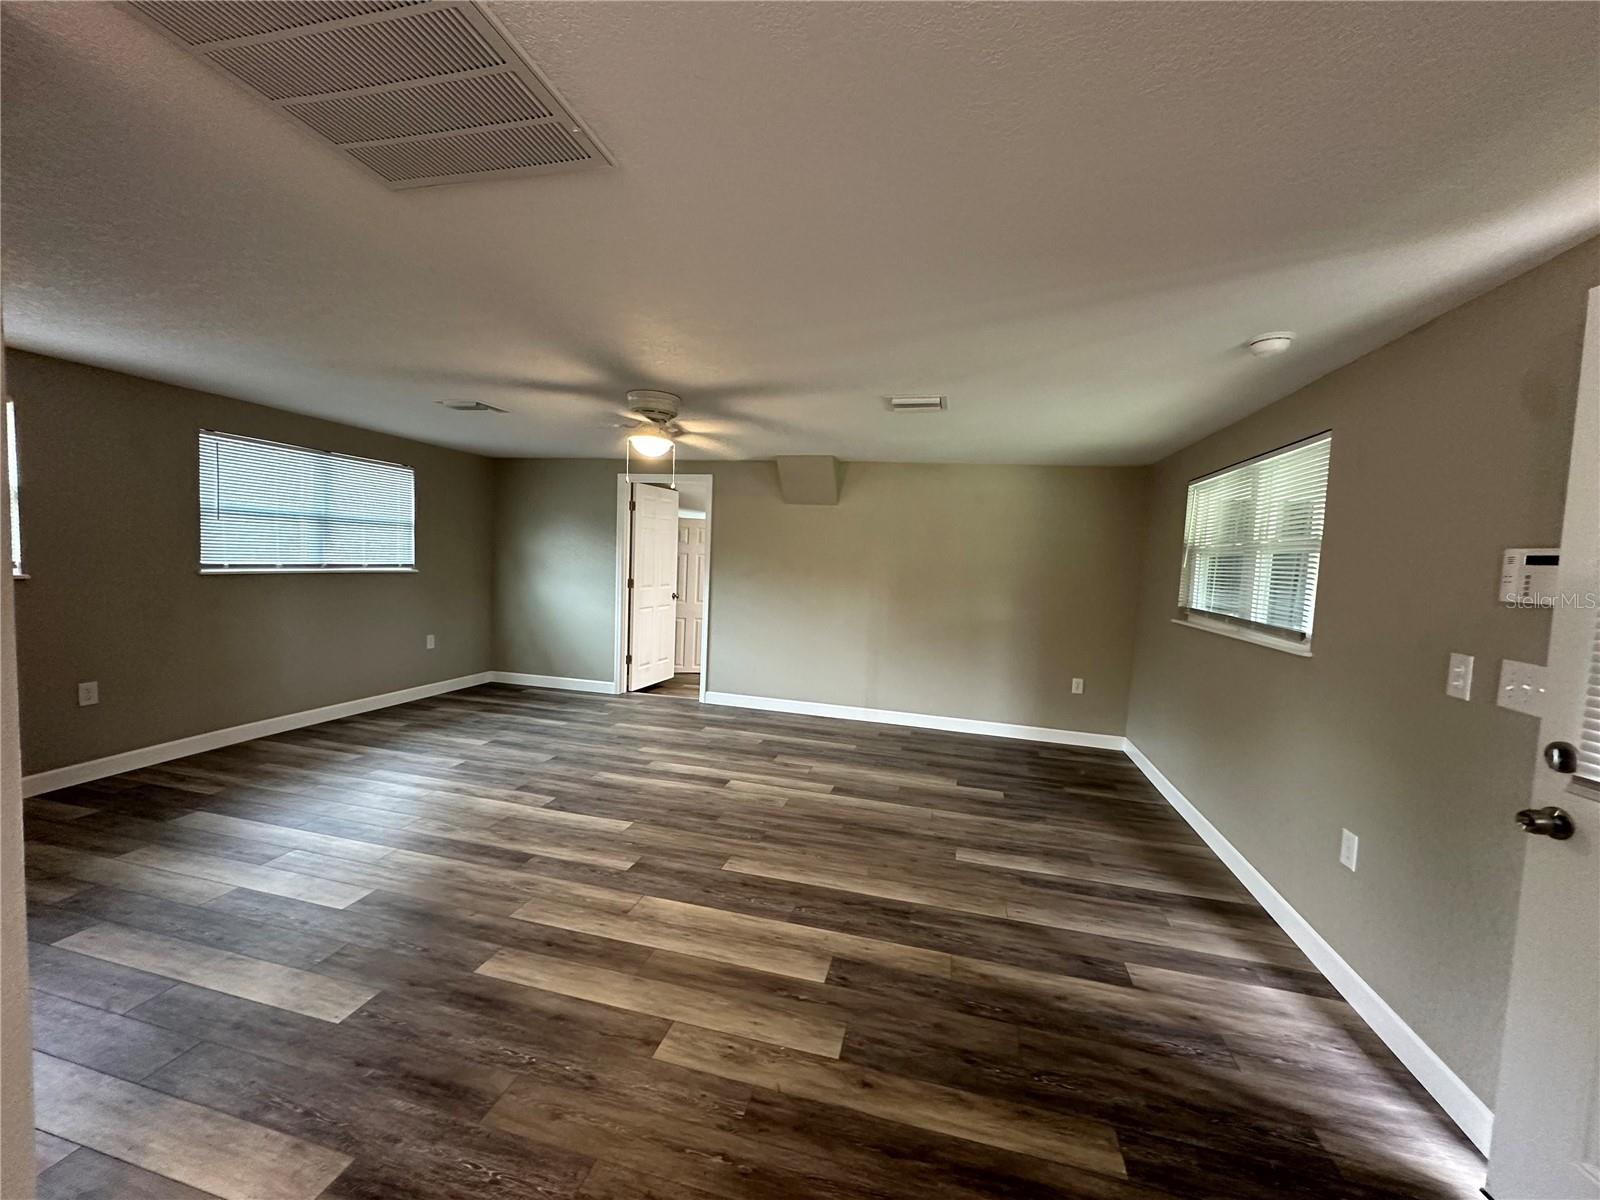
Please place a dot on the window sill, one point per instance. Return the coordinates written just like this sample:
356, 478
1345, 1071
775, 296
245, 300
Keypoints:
308, 571
1240, 634
20, 575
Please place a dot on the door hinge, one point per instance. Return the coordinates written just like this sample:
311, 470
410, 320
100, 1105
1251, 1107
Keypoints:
632, 506
628, 662
630, 583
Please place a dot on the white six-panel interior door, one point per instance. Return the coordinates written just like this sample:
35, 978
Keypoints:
652, 585
691, 593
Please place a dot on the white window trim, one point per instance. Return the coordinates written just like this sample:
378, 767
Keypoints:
1241, 633
308, 571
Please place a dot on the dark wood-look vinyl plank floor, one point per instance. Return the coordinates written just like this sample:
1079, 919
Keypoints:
513, 943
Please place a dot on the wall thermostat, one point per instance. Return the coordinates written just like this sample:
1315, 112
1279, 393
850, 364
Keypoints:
1528, 577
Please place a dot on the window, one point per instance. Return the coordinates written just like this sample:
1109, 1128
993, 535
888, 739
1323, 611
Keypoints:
13, 495
1252, 541
265, 506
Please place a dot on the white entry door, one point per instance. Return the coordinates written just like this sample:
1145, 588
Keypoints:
652, 584
691, 593
1546, 1143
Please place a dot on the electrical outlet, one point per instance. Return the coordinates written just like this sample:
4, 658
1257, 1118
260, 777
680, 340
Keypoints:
88, 693
1458, 683
1077, 686
430, 643
1349, 845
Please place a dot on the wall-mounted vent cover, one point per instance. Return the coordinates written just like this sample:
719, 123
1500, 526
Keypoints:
418, 91
916, 403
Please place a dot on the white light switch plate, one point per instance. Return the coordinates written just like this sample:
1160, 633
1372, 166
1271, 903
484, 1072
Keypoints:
1521, 687
1077, 686
1349, 847
430, 644
1458, 683
88, 693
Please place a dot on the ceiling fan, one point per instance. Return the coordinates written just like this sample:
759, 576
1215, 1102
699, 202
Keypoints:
655, 429
729, 413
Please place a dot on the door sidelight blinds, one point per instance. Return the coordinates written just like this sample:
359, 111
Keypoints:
1589, 738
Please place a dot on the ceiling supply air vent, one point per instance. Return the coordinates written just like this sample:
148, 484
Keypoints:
916, 404
419, 92
473, 102
407, 48
469, 406
514, 149
200, 21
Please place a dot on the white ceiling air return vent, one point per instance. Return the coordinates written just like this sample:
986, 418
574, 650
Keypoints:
419, 92
200, 21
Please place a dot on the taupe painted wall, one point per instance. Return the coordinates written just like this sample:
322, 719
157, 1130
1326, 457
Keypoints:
555, 566
965, 591
1448, 445
111, 541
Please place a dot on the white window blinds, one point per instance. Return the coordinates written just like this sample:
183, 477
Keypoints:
13, 497
1589, 741
265, 506
1253, 540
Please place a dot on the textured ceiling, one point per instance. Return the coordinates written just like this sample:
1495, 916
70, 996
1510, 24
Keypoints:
1065, 217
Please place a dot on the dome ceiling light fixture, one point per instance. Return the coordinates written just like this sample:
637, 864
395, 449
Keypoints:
1265, 345
654, 429
650, 445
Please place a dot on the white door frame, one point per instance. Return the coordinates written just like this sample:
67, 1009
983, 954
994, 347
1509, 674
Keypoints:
620, 606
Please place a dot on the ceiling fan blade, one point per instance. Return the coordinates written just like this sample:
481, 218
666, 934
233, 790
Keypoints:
715, 447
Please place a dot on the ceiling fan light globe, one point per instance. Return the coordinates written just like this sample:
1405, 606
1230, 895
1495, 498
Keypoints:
649, 445
1266, 345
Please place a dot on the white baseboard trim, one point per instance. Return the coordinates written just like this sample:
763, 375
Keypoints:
886, 716
149, 756
556, 681
1444, 1085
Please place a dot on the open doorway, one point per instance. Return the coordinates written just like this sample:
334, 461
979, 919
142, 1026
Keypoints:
663, 594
